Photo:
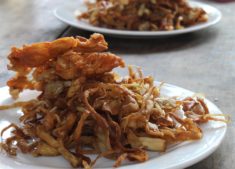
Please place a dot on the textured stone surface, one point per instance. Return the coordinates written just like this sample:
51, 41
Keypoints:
202, 62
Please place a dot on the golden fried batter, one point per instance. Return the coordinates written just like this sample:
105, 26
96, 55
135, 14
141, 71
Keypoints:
37, 54
65, 58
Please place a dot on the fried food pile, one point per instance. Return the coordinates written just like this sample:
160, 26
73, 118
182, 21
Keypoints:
143, 15
85, 108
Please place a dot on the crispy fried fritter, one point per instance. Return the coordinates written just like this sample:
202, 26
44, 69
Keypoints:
73, 64
37, 54
65, 58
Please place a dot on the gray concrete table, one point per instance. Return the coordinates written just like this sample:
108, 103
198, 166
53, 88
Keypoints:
202, 62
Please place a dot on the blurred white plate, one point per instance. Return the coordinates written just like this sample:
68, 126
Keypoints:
66, 13
178, 156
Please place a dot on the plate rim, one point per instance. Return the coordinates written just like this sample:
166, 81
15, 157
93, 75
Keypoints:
191, 161
129, 33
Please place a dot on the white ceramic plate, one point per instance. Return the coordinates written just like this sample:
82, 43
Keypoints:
178, 156
66, 13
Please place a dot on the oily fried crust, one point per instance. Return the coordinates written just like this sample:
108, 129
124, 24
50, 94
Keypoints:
72, 64
96, 43
97, 63
38, 54
65, 58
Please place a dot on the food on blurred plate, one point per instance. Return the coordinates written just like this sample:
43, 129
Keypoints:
85, 108
143, 15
